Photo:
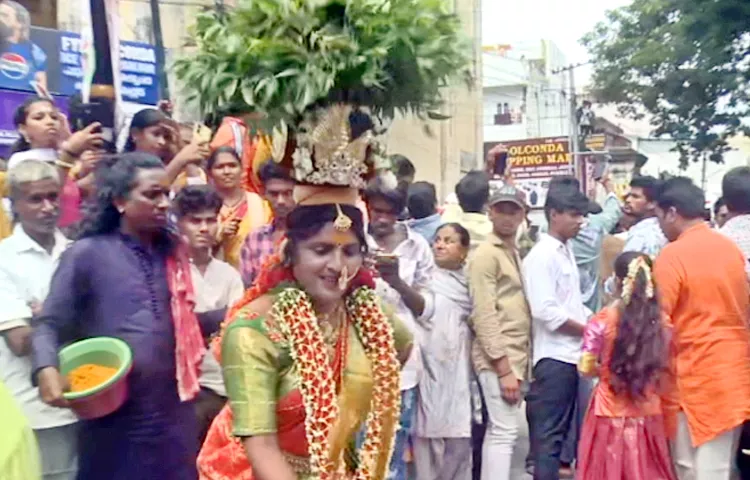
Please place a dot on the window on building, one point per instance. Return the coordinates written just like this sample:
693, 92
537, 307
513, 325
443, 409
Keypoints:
502, 117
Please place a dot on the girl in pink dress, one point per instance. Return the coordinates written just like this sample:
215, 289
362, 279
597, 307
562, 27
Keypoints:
626, 346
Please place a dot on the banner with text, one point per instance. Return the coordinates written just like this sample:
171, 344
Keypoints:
50, 60
532, 163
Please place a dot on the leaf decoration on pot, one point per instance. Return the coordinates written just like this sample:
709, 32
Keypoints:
284, 57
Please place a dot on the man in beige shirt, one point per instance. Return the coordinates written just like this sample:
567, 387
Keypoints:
501, 321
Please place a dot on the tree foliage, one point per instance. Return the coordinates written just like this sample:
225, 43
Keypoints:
282, 57
684, 62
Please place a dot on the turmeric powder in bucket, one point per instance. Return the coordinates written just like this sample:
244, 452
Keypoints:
89, 375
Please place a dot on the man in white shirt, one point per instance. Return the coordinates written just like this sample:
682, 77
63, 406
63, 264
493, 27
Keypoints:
558, 318
217, 285
736, 194
28, 258
735, 188
405, 263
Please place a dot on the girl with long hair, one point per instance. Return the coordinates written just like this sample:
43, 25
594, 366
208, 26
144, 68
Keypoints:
151, 131
626, 345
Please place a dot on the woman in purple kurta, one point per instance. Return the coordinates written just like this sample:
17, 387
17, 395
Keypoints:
113, 282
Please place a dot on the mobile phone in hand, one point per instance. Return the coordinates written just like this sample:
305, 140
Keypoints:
600, 168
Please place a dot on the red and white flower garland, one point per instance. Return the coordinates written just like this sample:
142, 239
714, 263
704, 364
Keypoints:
297, 322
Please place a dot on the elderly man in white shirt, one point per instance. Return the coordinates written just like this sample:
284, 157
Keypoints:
28, 258
558, 318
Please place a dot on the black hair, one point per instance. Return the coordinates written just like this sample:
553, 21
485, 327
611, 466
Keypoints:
639, 351
649, 185
564, 181
115, 177
473, 191
215, 154
19, 118
395, 197
402, 166
463, 234
148, 117
684, 196
270, 170
718, 204
196, 198
565, 199
422, 199
735, 189
304, 222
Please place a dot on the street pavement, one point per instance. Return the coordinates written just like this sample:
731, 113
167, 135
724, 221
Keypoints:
518, 466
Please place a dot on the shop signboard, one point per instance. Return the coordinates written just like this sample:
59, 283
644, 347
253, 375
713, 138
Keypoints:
50, 61
532, 163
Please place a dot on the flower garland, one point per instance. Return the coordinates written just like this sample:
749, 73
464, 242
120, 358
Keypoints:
297, 321
298, 324
376, 334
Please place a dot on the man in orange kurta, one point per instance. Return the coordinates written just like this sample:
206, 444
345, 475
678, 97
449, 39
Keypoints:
705, 294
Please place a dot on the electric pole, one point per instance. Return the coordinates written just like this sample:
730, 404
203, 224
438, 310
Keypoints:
573, 137
103, 77
159, 48
101, 106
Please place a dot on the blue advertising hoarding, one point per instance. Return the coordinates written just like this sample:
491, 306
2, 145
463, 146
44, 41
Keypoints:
50, 59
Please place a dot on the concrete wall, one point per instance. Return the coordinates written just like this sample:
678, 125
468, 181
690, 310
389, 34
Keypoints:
455, 145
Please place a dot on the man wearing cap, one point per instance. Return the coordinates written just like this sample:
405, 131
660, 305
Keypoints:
502, 323
558, 317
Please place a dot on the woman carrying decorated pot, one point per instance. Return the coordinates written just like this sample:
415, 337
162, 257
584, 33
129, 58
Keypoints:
309, 357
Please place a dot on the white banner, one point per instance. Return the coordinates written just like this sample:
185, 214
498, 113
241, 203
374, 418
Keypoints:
88, 53
113, 28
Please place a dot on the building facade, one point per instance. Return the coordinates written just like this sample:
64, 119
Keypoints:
523, 97
442, 151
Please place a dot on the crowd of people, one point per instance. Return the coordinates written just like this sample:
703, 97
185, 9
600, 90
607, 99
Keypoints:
630, 351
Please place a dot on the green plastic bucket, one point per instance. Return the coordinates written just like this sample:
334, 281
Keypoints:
107, 397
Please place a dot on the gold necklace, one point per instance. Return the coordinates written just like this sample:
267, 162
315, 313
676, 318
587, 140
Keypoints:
329, 326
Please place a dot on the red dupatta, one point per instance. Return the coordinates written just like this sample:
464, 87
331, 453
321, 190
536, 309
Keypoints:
190, 349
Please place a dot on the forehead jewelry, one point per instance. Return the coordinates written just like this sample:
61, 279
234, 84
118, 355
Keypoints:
342, 222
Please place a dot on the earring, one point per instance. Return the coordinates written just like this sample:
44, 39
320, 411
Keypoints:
284, 255
343, 278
